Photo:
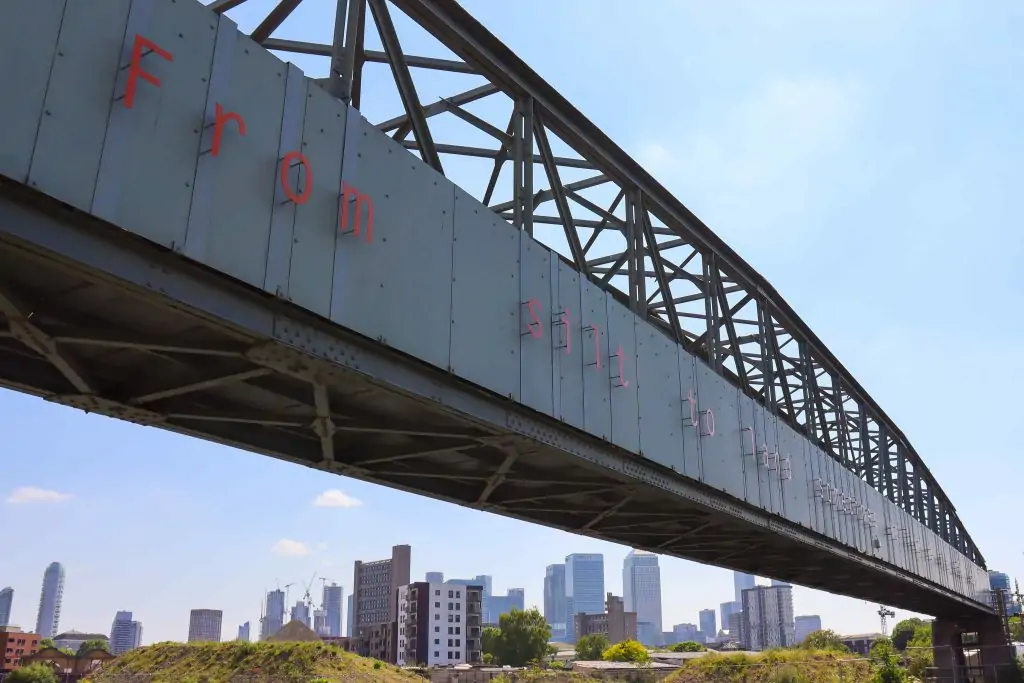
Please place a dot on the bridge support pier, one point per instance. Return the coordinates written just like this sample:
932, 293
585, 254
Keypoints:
973, 649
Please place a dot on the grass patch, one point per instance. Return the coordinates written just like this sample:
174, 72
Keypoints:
775, 666
238, 662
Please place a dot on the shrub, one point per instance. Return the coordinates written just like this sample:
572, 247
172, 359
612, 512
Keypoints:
627, 651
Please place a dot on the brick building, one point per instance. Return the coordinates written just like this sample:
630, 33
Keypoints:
375, 604
15, 644
616, 623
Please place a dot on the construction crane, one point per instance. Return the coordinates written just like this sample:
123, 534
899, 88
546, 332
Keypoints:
286, 605
308, 598
884, 613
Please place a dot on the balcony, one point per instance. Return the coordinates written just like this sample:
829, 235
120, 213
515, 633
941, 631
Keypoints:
473, 632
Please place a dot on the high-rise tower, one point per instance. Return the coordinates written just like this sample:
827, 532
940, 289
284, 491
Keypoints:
333, 597
50, 599
641, 592
6, 601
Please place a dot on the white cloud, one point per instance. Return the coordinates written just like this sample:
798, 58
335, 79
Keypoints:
333, 498
32, 494
289, 548
321, 546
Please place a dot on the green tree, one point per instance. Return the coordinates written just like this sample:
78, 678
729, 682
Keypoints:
627, 651
591, 648
904, 631
886, 663
33, 673
687, 646
90, 645
522, 637
1016, 628
45, 643
490, 643
824, 639
919, 654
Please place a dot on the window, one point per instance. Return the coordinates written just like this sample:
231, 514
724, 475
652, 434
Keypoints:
437, 593
438, 616
458, 642
458, 605
458, 618
437, 605
449, 642
437, 641
458, 630
437, 629
458, 594
450, 630
451, 618
457, 655
450, 606
436, 653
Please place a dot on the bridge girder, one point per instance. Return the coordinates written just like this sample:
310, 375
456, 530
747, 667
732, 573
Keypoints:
621, 229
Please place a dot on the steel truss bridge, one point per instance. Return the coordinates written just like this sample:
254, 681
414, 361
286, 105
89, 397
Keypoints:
196, 236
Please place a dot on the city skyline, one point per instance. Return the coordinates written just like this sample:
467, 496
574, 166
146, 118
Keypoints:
799, 129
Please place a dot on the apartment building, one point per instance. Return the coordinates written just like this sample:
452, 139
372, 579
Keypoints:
767, 618
14, 645
375, 603
439, 624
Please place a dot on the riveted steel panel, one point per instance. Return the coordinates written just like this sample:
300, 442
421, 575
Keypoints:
692, 465
896, 536
396, 284
857, 514
536, 331
485, 297
622, 376
567, 337
816, 491
311, 243
838, 492
793, 474
849, 518
721, 440
148, 166
661, 427
79, 96
751, 469
845, 502
248, 182
829, 493
597, 417
767, 432
28, 45
876, 525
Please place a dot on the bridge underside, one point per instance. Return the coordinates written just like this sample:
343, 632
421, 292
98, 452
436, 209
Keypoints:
93, 318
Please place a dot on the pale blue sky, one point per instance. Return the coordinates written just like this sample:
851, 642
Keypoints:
863, 156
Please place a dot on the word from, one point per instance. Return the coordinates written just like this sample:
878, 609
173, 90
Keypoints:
142, 47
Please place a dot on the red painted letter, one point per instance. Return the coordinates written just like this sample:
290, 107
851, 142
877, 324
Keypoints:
220, 118
286, 163
534, 326
623, 380
347, 192
135, 70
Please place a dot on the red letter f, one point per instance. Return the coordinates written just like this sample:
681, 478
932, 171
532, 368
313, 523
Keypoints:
135, 70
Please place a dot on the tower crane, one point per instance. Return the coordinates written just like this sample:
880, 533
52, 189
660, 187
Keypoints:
884, 612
